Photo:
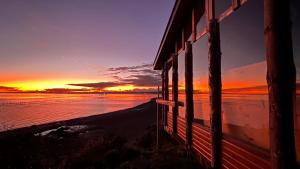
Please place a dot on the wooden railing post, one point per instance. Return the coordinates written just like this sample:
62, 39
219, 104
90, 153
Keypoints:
175, 91
281, 78
215, 87
189, 116
166, 76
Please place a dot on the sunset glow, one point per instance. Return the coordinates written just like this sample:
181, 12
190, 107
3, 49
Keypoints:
126, 88
40, 85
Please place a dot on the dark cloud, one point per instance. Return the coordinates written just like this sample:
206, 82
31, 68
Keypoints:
127, 68
140, 75
99, 85
8, 89
143, 80
64, 90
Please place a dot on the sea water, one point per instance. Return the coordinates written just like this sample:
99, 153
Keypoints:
26, 109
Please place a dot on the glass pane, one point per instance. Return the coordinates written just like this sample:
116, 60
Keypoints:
181, 83
295, 17
201, 25
222, 6
200, 16
200, 82
245, 112
170, 88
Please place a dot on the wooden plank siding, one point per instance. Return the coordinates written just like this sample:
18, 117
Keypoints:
201, 141
170, 123
233, 155
181, 128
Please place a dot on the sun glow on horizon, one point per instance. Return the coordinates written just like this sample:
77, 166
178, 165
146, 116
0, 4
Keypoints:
41, 85
125, 88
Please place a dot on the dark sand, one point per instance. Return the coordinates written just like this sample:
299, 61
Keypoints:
123, 139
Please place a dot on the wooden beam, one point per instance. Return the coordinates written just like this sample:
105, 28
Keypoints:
210, 9
236, 4
170, 60
189, 112
281, 78
169, 102
215, 91
175, 91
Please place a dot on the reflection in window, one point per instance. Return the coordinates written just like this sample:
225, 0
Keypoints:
200, 17
245, 112
170, 87
200, 82
201, 25
181, 83
222, 6
295, 17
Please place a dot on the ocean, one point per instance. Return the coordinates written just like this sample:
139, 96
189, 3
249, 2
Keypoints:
26, 109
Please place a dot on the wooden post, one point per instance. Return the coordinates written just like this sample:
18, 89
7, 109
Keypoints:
189, 113
281, 78
166, 91
175, 91
215, 92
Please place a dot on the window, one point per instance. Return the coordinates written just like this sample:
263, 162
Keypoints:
170, 87
181, 83
222, 6
200, 82
245, 109
295, 16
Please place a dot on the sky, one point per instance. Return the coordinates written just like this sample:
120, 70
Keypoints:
50, 43
84, 45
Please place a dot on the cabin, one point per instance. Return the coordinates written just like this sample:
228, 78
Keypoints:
230, 116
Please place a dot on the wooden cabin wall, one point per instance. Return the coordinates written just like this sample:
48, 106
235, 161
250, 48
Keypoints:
213, 147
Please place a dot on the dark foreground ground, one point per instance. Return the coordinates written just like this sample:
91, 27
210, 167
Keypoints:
120, 140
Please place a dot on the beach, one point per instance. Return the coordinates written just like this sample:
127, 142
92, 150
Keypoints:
120, 139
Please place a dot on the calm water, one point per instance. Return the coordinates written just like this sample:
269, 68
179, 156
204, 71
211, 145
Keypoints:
20, 110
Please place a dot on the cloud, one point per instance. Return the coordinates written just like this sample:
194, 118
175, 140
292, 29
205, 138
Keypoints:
138, 76
8, 89
99, 85
128, 68
143, 80
65, 90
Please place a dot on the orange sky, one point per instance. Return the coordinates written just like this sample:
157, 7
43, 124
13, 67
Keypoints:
245, 79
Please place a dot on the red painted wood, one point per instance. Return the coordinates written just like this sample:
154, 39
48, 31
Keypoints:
233, 155
240, 156
181, 128
201, 141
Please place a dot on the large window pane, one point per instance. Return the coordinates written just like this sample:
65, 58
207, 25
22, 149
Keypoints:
181, 83
170, 87
295, 16
200, 81
245, 111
